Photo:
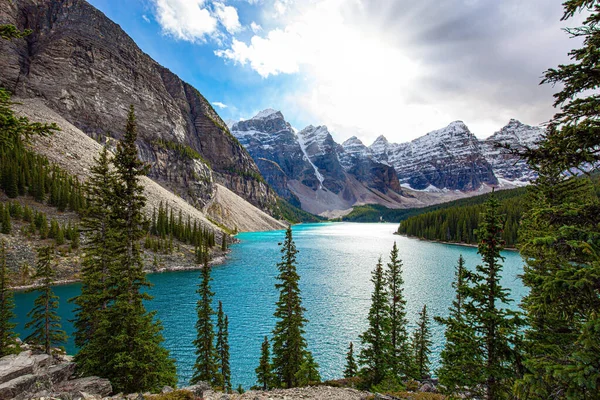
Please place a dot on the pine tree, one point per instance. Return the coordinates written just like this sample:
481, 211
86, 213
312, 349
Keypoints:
45, 321
560, 230
205, 368
223, 350
6, 224
421, 346
495, 326
264, 376
97, 266
289, 345
400, 356
134, 357
8, 344
461, 358
374, 356
308, 373
351, 368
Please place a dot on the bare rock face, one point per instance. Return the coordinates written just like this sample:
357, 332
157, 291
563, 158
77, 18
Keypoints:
89, 70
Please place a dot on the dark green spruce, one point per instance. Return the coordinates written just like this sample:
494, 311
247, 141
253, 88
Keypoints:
289, 345
264, 376
399, 341
222, 349
206, 368
44, 319
421, 346
351, 369
8, 344
374, 356
461, 358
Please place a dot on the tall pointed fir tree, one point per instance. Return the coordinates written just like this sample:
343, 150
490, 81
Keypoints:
264, 376
421, 346
559, 233
44, 318
224, 375
461, 359
351, 369
135, 359
496, 327
400, 356
289, 345
374, 356
206, 368
97, 266
8, 344
308, 373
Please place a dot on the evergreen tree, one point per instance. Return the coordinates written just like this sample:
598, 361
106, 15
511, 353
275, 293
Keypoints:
97, 266
374, 356
45, 321
461, 358
308, 373
495, 326
400, 356
223, 350
134, 357
421, 345
560, 231
289, 345
206, 367
351, 368
8, 344
264, 376
6, 224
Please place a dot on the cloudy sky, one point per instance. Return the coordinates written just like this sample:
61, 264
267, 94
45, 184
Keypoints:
400, 68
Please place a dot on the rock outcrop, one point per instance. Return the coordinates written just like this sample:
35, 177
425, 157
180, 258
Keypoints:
30, 375
88, 70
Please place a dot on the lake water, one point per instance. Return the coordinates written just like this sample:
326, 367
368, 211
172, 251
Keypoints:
335, 261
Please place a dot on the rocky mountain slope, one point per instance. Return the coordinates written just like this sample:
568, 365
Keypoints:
452, 158
311, 170
88, 70
74, 151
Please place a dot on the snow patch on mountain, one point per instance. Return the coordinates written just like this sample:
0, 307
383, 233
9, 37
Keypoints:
269, 113
302, 143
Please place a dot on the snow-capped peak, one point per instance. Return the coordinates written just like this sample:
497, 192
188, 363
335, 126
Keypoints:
268, 114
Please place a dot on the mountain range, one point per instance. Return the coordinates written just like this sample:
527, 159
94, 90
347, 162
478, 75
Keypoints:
312, 171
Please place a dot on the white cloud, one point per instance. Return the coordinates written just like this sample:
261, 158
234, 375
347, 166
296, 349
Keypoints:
219, 104
255, 27
185, 19
404, 68
228, 17
145, 18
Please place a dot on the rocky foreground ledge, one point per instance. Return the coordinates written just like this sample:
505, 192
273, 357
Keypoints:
30, 375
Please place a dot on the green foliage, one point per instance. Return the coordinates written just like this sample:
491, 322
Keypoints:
497, 329
308, 373
183, 150
289, 345
206, 367
376, 341
122, 340
421, 346
399, 359
8, 344
351, 369
44, 318
245, 173
9, 32
457, 223
264, 376
292, 214
174, 395
222, 349
461, 358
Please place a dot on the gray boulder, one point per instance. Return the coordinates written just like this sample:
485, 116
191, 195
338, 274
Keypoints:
90, 384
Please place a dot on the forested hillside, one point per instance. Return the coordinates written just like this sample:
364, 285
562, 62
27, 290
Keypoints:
456, 221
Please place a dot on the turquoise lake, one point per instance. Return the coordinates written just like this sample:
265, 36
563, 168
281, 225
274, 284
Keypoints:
335, 261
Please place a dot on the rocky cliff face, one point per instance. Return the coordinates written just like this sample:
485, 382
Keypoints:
311, 170
506, 166
448, 158
89, 70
